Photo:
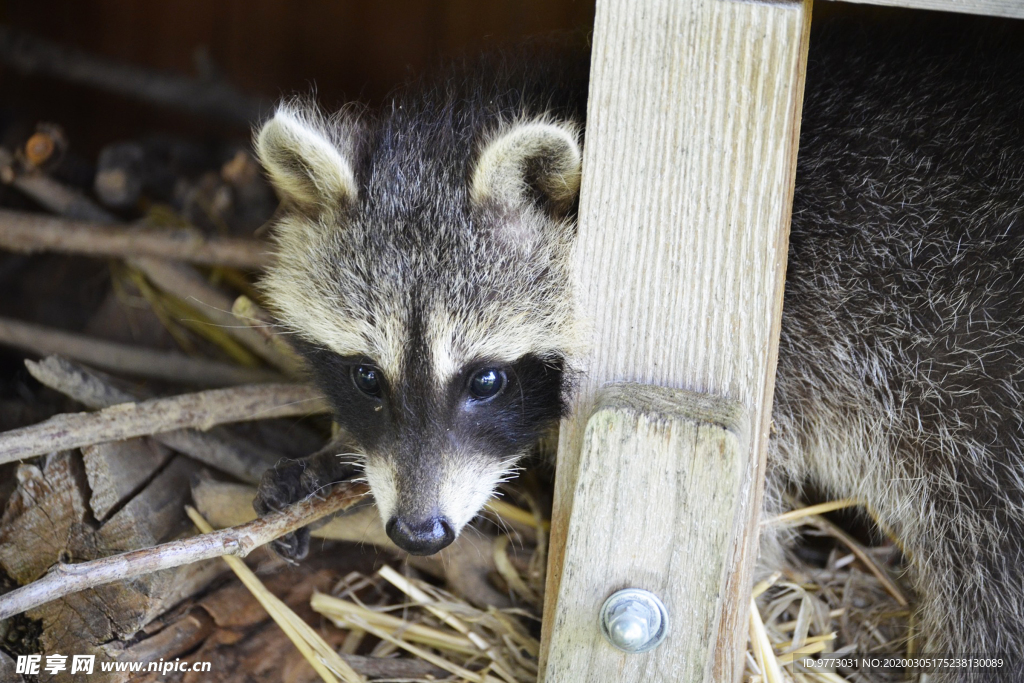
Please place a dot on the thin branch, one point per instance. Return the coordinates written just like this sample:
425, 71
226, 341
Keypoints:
28, 54
466, 564
130, 360
64, 579
246, 311
52, 195
33, 232
182, 281
85, 386
200, 410
858, 550
223, 451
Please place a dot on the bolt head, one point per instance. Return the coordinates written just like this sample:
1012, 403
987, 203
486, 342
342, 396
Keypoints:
634, 620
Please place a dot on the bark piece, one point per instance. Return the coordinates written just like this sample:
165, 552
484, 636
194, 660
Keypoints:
65, 579
117, 469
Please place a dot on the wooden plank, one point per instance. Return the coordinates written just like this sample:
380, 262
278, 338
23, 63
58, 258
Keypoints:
995, 8
691, 447
688, 174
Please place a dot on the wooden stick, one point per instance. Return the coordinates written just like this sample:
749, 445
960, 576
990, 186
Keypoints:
54, 196
31, 232
466, 564
862, 555
239, 541
200, 410
130, 360
228, 453
182, 281
85, 386
245, 310
28, 54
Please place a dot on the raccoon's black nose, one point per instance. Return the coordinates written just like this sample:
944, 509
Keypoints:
424, 537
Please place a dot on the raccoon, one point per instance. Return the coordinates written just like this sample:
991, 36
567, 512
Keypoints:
901, 360
424, 267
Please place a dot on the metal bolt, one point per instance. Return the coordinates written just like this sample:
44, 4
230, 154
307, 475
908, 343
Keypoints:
634, 620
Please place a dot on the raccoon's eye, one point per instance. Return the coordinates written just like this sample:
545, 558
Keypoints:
487, 383
367, 379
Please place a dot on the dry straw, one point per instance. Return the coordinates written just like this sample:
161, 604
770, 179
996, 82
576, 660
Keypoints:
324, 660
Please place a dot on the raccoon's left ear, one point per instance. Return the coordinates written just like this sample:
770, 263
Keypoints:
308, 157
532, 162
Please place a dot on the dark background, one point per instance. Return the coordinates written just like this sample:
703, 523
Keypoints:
347, 49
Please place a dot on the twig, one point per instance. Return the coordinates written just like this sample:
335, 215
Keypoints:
246, 310
32, 232
239, 541
466, 564
131, 360
223, 451
84, 386
29, 55
54, 196
185, 283
200, 410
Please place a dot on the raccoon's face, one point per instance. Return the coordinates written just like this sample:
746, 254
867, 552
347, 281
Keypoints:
426, 277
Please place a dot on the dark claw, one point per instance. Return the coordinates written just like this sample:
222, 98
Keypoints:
290, 481
281, 486
293, 546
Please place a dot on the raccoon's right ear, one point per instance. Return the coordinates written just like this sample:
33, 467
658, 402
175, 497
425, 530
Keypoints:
535, 161
308, 157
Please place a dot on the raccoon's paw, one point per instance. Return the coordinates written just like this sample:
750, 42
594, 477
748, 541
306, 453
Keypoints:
287, 482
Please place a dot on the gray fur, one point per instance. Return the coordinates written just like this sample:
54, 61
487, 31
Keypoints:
901, 361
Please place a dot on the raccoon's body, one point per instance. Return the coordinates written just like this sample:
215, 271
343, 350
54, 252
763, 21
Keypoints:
424, 266
901, 361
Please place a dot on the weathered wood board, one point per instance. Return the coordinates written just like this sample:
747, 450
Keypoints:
692, 134
691, 447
